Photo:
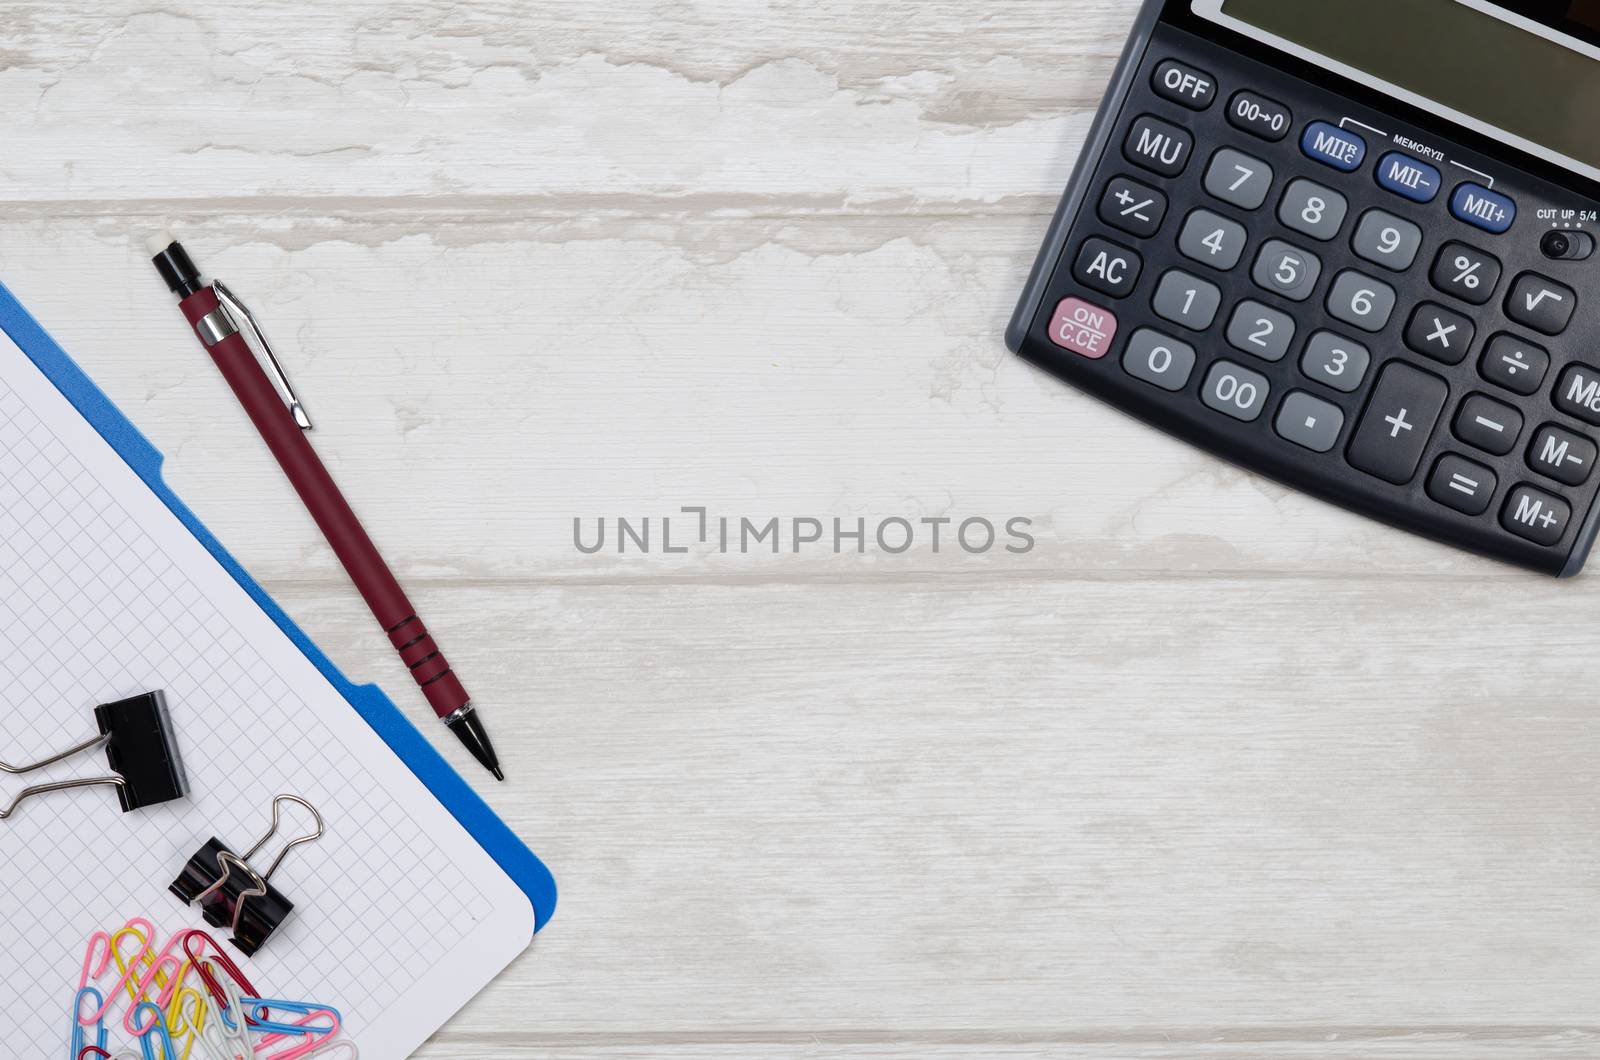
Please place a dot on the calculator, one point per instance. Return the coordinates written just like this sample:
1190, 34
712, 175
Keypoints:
1350, 246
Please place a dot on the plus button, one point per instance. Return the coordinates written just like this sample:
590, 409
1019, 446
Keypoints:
1398, 423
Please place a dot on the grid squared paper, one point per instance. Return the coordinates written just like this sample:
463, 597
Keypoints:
95, 606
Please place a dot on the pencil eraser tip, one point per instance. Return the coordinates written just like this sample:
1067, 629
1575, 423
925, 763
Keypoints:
159, 242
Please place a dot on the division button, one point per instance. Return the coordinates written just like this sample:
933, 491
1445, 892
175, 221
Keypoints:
1108, 268
1399, 420
1536, 515
1440, 333
1158, 146
1184, 85
1083, 327
1333, 146
1236, 391
1515, 364
1137, 209
1563, 455
1541, 303
1408, 176
1578, 393
1488, 424
1158, 359
1458, 483
1485, 209
1309, 422
1466, 272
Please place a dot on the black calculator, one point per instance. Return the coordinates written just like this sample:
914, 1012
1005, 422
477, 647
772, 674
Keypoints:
1351, 246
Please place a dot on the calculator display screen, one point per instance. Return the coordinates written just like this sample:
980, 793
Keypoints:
1533, 80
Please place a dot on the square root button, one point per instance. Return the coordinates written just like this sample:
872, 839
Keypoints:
1083, 327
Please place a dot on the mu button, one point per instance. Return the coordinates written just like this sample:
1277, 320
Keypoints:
1536, 515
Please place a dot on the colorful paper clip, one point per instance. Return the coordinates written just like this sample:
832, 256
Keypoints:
138, 927
78, 1024
156, 1033
233, 894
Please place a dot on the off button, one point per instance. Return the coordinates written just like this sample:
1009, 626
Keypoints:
1185, 85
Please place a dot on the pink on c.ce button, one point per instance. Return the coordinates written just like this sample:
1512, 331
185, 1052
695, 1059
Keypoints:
1083, 328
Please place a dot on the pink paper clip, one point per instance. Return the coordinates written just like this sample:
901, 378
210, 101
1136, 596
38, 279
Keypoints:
319, 1036
113, 949
168, 989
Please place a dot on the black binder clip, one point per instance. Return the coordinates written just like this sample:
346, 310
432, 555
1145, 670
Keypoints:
137, 736
233, 894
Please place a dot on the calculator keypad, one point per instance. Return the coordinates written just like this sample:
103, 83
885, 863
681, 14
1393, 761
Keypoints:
1258, 269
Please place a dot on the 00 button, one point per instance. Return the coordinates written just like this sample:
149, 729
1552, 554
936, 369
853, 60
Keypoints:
1236, 391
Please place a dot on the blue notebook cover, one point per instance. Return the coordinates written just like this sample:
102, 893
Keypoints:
369, 701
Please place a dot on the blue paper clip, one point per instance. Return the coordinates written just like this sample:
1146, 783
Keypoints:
157, 1032
304, 1008
76, 1044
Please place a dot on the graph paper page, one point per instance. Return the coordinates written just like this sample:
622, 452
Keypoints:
400, 916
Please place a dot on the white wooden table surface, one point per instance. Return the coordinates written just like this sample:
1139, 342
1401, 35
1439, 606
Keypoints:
1216, 771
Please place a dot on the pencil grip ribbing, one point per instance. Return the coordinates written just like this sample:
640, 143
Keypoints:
427, 665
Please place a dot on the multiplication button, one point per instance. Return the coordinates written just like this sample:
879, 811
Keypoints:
1437, 332
1458, 483
1538, 516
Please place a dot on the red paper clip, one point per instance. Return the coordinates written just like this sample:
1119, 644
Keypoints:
201, 962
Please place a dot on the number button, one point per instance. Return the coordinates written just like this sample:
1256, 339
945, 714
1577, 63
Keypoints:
1313, 210
1489, 425
1436, 332
1158, 146
1399, 420
1387, 240
1564, 456
1236, 178
1541, 303
1259, 116
1108, 268
1261, 330
1518, 366
1468, 273
1335, 360
1286, 270
1187, 300
1137, 209
1361, 301
1212, 240
1458, 483
1536, 515
1157, 359
1309, 422
1236, 391
1184, 85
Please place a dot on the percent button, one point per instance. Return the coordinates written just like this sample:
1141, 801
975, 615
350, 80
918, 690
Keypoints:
1466, 273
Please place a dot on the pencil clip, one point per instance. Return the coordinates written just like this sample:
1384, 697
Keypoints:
217, 879
137, 736
280, 378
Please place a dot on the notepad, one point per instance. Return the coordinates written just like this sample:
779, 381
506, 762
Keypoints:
400, 915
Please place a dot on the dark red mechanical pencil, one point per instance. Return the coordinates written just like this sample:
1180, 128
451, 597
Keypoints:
217, 318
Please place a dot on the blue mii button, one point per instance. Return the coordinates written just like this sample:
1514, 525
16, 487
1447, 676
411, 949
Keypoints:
1333, 146
1488, 210
1409, 176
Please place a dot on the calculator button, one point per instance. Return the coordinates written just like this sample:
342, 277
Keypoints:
1309, 422
1488, 424
1398, 422
1137, 209
1410, 177
1108, 268
1541, 303
1158, 359
1362, 301
1236, 178
1518, 366
1536, 515
1236, 391
1563, 455
1578, 393
1335, 361
1212, 240
1187, 300
1313, 210
1259, 116
1185, 85
1440, 333
1158, 146
1333, 146
1083, 327
1458, 483
1488, 210
1466, 272
1261, 330
1387, 240
1286, 270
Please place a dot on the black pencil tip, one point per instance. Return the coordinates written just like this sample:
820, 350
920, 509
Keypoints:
499, 774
